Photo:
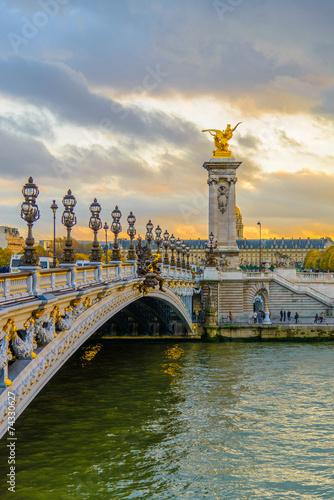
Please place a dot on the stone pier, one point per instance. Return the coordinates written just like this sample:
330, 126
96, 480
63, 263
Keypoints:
221, 180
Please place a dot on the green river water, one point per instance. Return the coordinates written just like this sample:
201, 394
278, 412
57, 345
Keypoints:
180, 421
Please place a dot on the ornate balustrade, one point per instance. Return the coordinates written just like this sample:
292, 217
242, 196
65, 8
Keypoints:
14, 286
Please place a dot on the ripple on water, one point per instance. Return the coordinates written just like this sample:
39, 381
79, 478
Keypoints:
197, 421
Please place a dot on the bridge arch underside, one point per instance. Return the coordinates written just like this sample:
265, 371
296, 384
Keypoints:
146, 316
29, 376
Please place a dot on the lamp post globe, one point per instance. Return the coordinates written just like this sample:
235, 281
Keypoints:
54, 208
166, 245
260, 247
68, 220
116, 228
149, 234
95, 224
158, 238
183, 253
172, 246
132, 233
188, 255
178, 252
106, 227
30, 213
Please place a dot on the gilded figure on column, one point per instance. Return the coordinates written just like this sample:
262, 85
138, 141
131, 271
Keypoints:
221, 138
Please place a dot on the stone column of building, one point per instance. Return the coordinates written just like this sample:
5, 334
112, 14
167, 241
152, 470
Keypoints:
222, 219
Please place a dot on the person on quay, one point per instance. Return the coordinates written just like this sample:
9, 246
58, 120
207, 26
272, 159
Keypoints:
254, 317
322, 317
296, 317
284, 315
316, 318
281, 315
289, 315
230, 317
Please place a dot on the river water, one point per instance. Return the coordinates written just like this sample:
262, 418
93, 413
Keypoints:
181, 421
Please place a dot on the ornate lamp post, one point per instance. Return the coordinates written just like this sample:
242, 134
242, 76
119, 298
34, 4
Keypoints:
188, 255
183, 252
95, 224
172, 246
132, 233
68, 220
149, 234
166, 245
158, 238
106, 227
178, 252
30, 213
54, 207
260, 248
210, 259
116, 229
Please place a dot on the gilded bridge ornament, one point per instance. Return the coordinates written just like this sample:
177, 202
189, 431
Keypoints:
221, 138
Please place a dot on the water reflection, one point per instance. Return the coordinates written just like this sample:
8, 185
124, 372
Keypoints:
190, 421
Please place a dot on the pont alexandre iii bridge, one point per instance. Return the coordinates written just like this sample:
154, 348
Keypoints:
46, 315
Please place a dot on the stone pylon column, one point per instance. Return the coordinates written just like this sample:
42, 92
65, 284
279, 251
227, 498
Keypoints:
222, 220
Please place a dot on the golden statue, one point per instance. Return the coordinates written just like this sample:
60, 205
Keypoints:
221, 138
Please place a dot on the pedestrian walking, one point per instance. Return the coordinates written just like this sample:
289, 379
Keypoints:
316, 318
281, 315
296, 317
322, 317
254, 317
284, 315
230, 317
259, 318
289, 315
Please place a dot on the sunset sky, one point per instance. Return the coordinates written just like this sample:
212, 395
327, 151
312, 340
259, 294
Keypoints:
109, 98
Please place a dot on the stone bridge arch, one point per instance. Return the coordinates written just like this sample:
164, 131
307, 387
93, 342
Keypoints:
31, 375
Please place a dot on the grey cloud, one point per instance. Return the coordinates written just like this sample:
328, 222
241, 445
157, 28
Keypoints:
29, 123
21, 157
66, 94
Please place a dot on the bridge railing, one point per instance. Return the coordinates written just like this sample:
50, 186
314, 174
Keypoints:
33, 283
175, 272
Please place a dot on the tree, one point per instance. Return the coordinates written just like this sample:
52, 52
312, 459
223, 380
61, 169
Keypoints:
5, 256
41, 252
81, 256
324, 259
312, 259
331, 262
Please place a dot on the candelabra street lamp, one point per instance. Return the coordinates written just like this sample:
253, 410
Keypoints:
260, 248
188, 255
68, 220
178, 252
149, 233
210, 259
106, 227
166, 245
132, 233
172, 246
95, 224
30, 213
183, 252
158, 238
116, 229
54, 208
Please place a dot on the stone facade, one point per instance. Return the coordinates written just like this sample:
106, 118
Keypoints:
10, 238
